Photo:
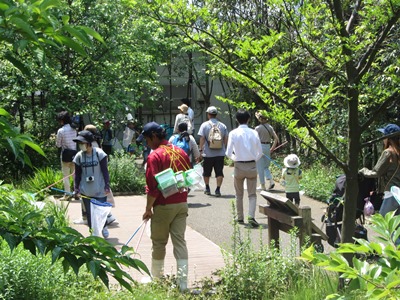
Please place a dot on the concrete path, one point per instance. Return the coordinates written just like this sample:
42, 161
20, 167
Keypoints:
204, 256
209, 229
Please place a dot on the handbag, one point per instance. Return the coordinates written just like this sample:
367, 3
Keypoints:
67, 155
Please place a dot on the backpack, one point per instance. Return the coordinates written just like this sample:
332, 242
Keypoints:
189, 124
77, 122
182, 142
215, 137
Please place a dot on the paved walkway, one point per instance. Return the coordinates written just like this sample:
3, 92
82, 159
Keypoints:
209, 228
204, 256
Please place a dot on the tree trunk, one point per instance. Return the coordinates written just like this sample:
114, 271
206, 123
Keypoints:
351, 170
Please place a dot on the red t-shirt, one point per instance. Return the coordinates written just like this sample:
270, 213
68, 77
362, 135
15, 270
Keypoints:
164, 157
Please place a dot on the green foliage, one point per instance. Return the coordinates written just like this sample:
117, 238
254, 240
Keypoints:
319, 180
325, 71
33, 26
125, 175
22, 224
43, 178
12, 140
374, 272
267, 273
25, 276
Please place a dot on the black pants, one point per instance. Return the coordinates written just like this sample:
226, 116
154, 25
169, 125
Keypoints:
86, 203
294, 197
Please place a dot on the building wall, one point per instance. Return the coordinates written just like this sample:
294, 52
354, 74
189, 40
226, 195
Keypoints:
165, 110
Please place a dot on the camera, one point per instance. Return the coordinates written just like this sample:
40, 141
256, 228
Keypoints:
90, 179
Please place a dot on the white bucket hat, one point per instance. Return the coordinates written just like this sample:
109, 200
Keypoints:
291, 161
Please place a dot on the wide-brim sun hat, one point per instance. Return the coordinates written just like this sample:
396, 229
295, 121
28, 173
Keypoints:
260, 116
291, 161
390, 129
183, 108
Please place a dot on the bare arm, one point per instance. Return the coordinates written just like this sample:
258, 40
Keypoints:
276, 140
149, 207
202, 142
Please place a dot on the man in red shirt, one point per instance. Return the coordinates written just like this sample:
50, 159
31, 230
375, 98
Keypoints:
168, 215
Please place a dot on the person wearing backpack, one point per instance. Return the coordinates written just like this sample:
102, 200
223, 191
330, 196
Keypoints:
186, 142
213, 140
183, 117
190, 111
167, 215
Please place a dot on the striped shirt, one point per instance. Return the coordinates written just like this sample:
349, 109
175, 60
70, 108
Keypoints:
65, 136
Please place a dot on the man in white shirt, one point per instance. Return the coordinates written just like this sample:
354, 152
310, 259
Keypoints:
244, 148
64, 140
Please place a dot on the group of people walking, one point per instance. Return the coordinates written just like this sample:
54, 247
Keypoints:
250, 149
245, 146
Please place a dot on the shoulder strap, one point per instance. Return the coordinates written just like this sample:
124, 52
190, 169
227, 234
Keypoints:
269, 132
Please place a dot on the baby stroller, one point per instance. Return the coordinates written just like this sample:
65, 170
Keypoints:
334, 213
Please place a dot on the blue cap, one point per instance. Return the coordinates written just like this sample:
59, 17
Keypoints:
148, 129
389, 129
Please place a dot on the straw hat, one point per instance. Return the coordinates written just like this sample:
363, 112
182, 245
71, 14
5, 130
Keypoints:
184, 108
291, 161
261, 116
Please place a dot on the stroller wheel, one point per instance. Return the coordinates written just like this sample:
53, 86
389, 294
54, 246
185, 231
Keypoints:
319, 248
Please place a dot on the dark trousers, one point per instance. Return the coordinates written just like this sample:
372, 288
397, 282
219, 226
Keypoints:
86, 203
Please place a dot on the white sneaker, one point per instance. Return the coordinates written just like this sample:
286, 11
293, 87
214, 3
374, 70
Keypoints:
65, 198
80, 221
105, 232
110, 219
261, 187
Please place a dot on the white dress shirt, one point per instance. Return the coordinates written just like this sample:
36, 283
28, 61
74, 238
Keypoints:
244, 144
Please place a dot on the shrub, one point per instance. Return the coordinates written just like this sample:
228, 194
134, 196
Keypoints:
319, 181
374, 272
23, 225
125, 175
25, 276
44, 178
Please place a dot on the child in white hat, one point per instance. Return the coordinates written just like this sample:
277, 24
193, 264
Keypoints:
291, 176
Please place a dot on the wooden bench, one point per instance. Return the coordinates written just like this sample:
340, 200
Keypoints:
284, 215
